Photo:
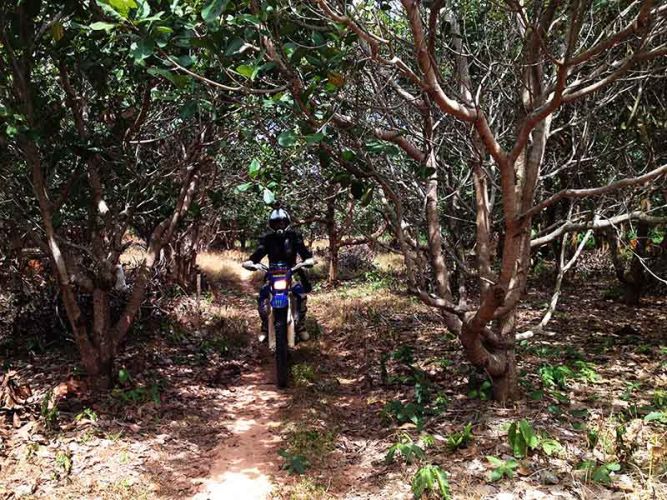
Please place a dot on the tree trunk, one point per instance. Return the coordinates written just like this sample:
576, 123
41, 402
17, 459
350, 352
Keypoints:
493, 351
634, 279
333, 264
181, 257
506, 383
334, 246
99, 369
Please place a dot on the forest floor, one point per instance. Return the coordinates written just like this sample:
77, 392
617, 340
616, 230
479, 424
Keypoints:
196, 413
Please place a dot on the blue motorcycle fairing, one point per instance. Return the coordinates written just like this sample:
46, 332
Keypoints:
279, 300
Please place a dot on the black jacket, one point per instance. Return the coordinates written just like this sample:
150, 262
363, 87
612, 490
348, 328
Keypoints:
282, 247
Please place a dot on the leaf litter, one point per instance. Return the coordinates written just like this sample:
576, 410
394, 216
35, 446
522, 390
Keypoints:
199, 411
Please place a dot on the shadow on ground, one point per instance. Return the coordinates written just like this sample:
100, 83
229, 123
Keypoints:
376, 346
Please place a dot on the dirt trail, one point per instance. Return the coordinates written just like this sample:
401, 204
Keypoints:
245, 463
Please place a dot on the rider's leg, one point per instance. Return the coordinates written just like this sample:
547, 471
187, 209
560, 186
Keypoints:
302, 307
263, 309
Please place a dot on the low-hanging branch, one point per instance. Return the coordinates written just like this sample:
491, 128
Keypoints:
597, 225
585, 193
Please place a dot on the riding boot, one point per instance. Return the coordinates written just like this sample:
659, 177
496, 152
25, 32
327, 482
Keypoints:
264, 331
263, 309
301, 323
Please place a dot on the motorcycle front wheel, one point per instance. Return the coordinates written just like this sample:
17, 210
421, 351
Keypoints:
282, 353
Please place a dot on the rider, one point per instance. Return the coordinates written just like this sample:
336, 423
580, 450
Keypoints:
282, 245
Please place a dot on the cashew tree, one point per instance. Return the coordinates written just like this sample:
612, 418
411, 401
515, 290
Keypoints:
96, 146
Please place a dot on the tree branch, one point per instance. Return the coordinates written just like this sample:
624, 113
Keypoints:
584, 193
597, 225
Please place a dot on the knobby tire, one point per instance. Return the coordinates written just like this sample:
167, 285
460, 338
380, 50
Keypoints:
282, 352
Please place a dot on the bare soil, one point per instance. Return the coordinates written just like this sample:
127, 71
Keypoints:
199, 415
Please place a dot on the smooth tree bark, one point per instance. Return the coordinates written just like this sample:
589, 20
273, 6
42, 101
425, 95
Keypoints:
88, 266
547, 82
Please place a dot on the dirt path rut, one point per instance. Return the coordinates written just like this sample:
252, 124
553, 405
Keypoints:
247, 460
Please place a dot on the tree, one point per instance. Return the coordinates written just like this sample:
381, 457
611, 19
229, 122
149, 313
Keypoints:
90, 150
550, 65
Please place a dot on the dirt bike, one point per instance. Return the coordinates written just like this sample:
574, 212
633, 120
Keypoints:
283, 314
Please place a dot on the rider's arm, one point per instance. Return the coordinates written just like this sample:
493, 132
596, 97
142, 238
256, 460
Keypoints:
260, 252
303, 251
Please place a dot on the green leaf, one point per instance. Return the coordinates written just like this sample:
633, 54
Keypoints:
108, 10
528, 434
102, 26
189, 110
380, 147
268, 196
246, 19
143, 10
431, 478
287, 138
294, 463
179, 81
298, 464
11, 130
141, 50
249, 72
502, 468
317, 38
656, 416
123, 376
586, 465
517, 443
122, 7
551, 446
213, 10
185, 61
289, 49
254, 168
349, 155
149, 19
495, 475
235, 46
242, 188
602, 473
314, 138
536, 395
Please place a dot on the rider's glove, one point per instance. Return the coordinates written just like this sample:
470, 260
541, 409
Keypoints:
309, 262
249, 265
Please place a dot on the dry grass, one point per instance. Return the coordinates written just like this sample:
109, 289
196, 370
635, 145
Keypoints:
351, 309
224, 268
320, 245
133, 256
389, 262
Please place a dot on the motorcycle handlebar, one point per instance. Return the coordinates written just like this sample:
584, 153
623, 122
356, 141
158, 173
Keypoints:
306, 263
251, 266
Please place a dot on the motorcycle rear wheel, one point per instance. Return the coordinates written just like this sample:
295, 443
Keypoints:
282, 350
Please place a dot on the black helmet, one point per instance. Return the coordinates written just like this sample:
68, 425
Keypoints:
279, 220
